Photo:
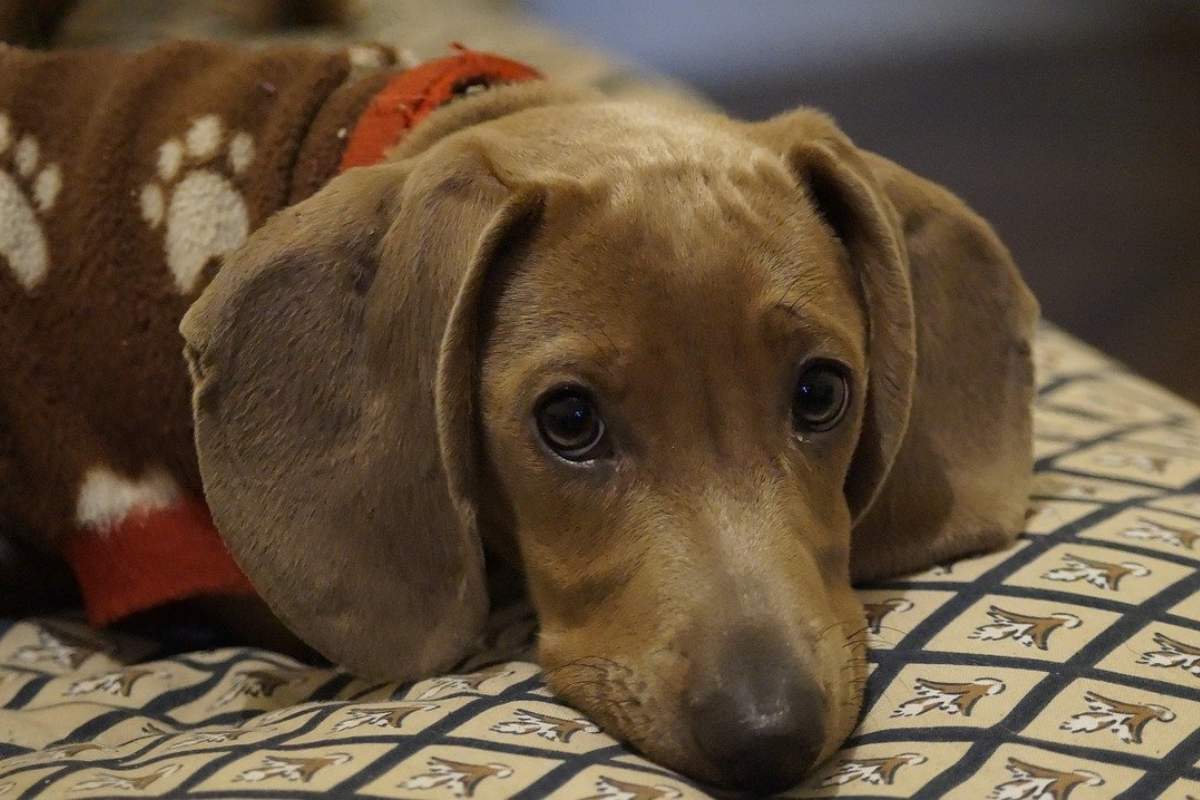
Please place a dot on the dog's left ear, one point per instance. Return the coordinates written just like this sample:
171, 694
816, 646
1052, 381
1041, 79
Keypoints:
943, 464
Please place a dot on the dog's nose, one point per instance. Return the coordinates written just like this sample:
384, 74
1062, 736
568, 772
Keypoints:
758, 717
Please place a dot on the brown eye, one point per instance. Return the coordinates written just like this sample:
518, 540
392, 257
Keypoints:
570, 425
821, 397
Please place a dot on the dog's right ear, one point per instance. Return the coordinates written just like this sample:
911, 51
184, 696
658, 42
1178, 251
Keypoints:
335, 460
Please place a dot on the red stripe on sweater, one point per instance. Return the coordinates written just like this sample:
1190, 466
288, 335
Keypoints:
152, 557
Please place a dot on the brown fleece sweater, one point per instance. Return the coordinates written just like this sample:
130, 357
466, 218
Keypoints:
123, 180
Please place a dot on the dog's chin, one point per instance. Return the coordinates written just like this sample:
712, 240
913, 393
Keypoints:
627, 710
649, 712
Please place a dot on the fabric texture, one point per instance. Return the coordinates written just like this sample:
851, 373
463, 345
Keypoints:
118, 201
1064, 668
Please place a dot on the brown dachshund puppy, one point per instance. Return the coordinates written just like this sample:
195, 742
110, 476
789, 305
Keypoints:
689, 377
694, 376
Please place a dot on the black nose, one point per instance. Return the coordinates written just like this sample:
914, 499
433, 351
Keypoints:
757, 716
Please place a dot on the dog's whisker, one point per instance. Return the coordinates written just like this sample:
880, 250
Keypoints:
567, 688
859, 631
828, 629
585, 662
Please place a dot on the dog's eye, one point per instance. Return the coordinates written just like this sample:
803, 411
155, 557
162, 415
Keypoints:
570, 425
821, 397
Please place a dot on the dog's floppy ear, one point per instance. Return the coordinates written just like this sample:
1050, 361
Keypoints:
333, 417
947, 445
840, 186
961, 481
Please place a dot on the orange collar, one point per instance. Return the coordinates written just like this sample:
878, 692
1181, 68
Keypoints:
414, 94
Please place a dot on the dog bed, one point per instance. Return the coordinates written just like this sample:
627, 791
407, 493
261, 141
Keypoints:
1067, 667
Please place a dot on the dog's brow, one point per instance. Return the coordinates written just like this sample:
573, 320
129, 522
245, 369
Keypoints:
599, 366
583, 351
788, 318
793, 308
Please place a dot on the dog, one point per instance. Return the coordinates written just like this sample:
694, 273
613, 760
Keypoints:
689, 377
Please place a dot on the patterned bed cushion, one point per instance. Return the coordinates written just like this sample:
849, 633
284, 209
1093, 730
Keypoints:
1066, 668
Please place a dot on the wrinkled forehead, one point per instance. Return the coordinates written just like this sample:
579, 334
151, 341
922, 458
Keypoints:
683, 253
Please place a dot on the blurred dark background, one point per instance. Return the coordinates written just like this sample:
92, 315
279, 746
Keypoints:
1073, 125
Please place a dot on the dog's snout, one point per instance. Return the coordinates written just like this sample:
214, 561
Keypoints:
758, 717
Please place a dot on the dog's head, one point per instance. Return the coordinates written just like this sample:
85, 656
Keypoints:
665, 361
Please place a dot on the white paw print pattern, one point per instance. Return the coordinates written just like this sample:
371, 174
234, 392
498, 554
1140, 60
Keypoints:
28, 190
204, 213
